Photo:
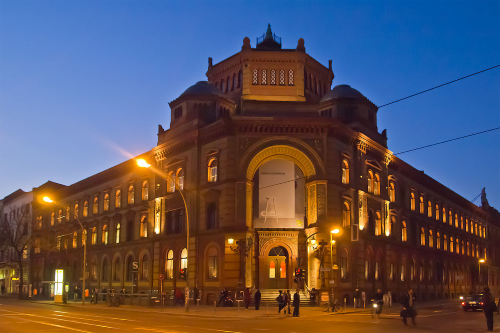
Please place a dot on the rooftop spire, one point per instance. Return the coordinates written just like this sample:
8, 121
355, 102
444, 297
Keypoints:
269, 41
269, 33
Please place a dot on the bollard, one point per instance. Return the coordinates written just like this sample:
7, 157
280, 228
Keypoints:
345, 302
355, 301
267, 304
364, 303
215, 306
238, 309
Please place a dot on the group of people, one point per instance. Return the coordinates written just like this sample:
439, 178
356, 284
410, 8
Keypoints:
285, 300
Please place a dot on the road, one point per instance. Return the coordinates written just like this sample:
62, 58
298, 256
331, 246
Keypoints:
25, 316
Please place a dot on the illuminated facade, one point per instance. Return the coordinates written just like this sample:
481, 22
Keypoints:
270, 160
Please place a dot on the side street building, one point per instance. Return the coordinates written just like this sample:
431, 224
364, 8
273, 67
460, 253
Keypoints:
270, 160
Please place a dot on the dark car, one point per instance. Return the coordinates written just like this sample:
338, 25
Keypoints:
473, 302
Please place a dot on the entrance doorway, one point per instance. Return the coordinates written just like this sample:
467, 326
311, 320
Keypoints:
277, 263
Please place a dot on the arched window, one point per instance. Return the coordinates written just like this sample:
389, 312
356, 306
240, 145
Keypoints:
117, 270
75, 239
402, 272
171, 182
437, 212
145, 190
130, 268
85, 208
343, 264
212, 170
463, 247
475, 224
263, 77
305, 80
457, 245
390, 226
421, 271
429, 208
105, 270
84, 237
184, 258
228, 84
422, 236
180, 179
60, 216
346, 214
392, 191
370, 181
412, 200
451, 243
240, 78
117, 233
438, 240
255, 77
466, 225
95, 206
445, 242
376, 184
131, 194
444, 216
93, 270
234, 82
378, 224
412, 271
422, 207
468, 248
52, 218
211, 216
104, 239
345, 172
212, 263
367, 269
290, 77
282, 77
431, 238
144, 267
273, 77
450, 218
169, 265
106, 202
144, 226
118, 199
94, 235
282, 270
404, 236
68, 213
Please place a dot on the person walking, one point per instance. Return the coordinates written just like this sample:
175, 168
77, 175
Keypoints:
489, 307
408, 303
296, 303
312, 296
75, 294
379, 300
280, 301
3, 289
357, 298
288, 301
257, 298
247, 297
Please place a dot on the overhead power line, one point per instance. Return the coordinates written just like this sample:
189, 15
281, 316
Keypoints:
438, 143
476, 197
487, 69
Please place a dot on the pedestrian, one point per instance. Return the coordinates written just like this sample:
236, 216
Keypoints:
489, 307
178, 297
357, 298
409, 310
288, 301
280, 301
75, 294
296, 303
312, 296
3, 289
257, 298
379, 300
247, 297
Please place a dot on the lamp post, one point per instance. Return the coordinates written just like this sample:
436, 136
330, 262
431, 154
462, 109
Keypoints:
49, 200
332, 243
242, 247
143, 164
481, 261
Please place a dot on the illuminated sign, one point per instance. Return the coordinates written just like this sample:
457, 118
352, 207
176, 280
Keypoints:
58, 285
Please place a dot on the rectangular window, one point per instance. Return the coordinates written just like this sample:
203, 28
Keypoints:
402, 272
343, 267
263, 77
367, 270
391, 272
213, 174
212, 267
376, 270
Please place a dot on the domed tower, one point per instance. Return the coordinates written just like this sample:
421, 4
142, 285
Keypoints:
269, 73
353, 109
199, 105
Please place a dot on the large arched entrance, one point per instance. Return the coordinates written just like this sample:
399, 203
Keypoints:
277, 263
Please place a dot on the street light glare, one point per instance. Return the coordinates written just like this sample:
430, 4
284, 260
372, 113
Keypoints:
481, 260
142, 163
335, 231
47, 199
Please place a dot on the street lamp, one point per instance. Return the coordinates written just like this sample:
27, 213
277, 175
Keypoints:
333, 233
49, 200
143, 164
242, 247
481, 261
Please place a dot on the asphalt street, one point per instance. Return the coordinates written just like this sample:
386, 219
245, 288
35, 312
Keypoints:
26, 316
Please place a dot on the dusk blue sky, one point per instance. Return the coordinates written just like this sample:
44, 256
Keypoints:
80, 78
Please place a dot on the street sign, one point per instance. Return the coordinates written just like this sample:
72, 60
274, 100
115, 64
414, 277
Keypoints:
161, 277
135, 266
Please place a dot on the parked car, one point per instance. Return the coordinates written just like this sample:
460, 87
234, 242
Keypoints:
473, 302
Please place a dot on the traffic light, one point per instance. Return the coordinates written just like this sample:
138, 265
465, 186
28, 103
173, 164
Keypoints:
298, 272
182, 273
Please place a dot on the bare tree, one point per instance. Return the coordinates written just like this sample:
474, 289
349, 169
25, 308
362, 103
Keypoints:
16, 235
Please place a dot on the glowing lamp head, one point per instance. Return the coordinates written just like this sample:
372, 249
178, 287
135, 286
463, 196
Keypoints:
230, 241
481, 261
142, 163
313, 241
47, 199
335, 231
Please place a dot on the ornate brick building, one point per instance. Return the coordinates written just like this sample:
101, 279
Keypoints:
270, 160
